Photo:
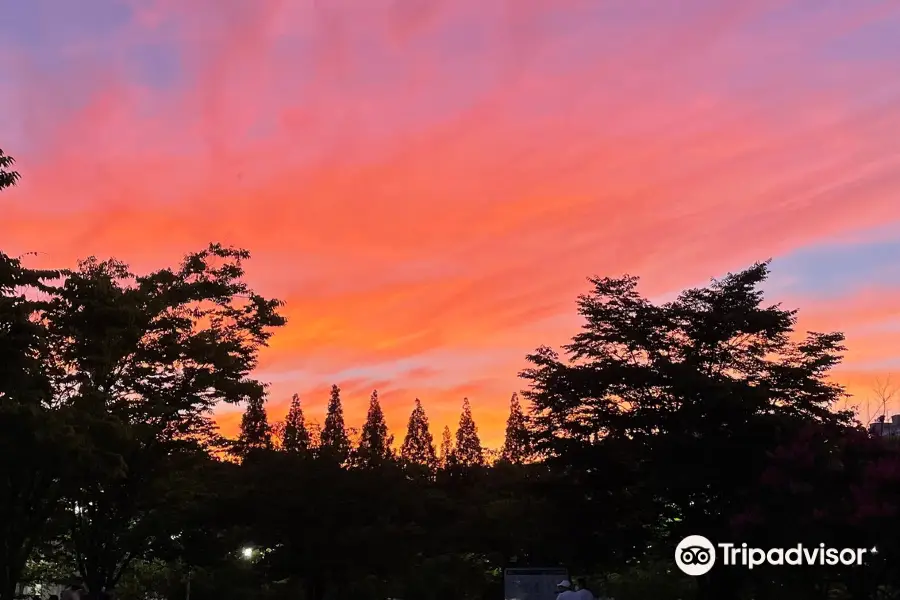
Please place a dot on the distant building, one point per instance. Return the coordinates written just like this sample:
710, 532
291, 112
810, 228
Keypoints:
886, 429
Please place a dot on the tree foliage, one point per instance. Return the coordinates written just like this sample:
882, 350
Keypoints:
8, 176
418, 445
376, 443
707, 415
256, 434
38, 442
144, 360
296, 437
517, 442
714, 379
468, 451
334, 442
446, 447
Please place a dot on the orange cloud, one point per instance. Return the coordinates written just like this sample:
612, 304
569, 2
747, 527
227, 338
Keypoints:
431, 180
858, 310
870, 319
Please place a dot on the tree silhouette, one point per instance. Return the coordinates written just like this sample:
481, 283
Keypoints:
446, 447
418, 445
296, 437
705, 415
8, 177
353, 437
334, 442
802, 498
315, 435
40, 446
256, 434
468, 451
143, 360
516, 445
713, 378
375, 442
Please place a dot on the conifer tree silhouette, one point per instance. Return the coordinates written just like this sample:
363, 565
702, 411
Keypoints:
334, 442
418, 445
468, 451
255, 430
516, 448
296, 436
446, 448
375, 443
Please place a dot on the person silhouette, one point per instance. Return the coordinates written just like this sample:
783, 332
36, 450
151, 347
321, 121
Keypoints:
564, 590
582, 592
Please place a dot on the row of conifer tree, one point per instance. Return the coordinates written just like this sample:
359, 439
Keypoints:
373, 444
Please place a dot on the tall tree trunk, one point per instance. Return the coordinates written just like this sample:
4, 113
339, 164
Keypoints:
7, 588
10, 573
95, 583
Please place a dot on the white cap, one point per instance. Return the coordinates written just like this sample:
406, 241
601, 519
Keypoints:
564, 584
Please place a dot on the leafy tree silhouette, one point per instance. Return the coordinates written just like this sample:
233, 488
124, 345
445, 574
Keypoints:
41, 448
375, 443
335, 443
296, 437
8, 177
713, 379
802, 497
144, 359
418, 445
706, 414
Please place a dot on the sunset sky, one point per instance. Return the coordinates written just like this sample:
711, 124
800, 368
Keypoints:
427, 183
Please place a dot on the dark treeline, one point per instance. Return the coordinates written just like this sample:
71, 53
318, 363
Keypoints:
705, 415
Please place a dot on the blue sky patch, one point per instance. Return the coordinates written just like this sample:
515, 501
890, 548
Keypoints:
832, 270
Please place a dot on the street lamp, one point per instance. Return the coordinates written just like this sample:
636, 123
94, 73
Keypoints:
247, 553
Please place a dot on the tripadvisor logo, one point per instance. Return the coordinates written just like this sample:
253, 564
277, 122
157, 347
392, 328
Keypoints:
695, 555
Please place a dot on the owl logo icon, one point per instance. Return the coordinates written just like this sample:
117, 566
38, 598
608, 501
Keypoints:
695, 555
